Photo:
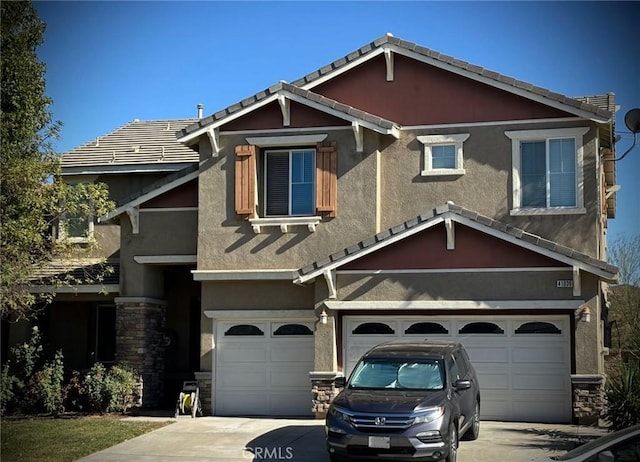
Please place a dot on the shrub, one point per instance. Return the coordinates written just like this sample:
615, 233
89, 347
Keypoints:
94, 389
623, 395
122, 382
115, 390
74, 399
45, 390
7, 384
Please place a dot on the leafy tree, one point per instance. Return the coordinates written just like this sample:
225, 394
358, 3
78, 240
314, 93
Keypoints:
33, 195
624, 252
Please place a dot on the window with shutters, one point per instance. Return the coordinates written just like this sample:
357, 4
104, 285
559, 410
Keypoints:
286, 186
547, 171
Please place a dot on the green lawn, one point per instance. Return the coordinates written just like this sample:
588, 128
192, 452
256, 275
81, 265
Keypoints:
65, 439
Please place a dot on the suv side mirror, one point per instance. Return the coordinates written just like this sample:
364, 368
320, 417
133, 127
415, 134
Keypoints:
340, 382
462, 385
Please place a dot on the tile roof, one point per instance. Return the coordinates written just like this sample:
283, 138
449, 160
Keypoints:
591, 105
137, 142
420, 222
78, 272
281, 87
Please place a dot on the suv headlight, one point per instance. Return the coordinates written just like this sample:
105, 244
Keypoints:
429, 415
339, 414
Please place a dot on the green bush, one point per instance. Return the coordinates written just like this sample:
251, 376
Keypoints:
115, 390
94, 389
623, 395
7, 384
45, 390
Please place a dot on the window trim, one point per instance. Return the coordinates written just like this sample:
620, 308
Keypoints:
289, 151
457, 140
62, 233
516, 137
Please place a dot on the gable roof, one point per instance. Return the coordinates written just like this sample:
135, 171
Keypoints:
465, 217
586, 107
295, 93
138, 143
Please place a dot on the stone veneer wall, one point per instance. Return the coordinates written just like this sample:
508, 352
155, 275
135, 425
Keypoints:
323, 391
589, 398
205, 385
140, 343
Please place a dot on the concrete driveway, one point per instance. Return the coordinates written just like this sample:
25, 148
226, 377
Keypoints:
236, 439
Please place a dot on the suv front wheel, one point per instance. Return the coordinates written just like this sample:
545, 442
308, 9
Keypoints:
474, 430
453, 444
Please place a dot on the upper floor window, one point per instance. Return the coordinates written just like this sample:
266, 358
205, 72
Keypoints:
547, 171
443, 154
289, 182
286, 187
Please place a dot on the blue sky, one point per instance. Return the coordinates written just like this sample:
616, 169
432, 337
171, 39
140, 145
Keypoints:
111, 62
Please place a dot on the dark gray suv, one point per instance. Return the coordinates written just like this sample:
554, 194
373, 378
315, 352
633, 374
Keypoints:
405, 400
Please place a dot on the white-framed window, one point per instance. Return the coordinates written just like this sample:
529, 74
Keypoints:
289, 182
443, 154
75, 228
547, 171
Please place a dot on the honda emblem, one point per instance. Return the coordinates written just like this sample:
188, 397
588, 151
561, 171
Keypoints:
379, 420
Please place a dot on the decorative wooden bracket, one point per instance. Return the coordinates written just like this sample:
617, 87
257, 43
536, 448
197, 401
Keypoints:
134, 216
330, 277
451, 234
284, 107
388, 58
357, 132
577, 289
214, 139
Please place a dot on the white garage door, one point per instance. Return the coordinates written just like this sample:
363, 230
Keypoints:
523, 362
262, 368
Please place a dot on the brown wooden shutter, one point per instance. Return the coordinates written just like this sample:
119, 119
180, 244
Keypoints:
327, 179
245, 180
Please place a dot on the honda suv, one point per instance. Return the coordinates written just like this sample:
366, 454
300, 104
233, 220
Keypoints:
405, 400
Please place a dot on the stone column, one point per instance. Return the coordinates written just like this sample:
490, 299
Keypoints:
323, 391
140, 342
588, 398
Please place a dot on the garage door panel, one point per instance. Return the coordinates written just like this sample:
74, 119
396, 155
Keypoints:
552, 354
292, 352
251, 376
263, 374
516, 371
243, 353
253, 403
539, 382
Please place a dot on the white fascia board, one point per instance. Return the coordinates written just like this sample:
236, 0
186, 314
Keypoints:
77, 289
391, 240
165, 259
492, 123
455, 305
244, 275
342, 69
125, 168
500, 85
187, 139
395, 132
520, 269
150, 195
306, 315
572, 262
286, 140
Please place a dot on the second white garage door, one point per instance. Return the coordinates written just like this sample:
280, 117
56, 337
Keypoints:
523, 362
262, 368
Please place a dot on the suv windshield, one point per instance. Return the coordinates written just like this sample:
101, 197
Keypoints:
402, 374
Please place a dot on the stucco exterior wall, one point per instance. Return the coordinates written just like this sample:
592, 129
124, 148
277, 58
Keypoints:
486, 186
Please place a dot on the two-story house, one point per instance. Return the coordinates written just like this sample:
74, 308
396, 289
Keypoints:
394, 193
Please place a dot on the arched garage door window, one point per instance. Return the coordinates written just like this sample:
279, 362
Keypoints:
243, 329
293, 329
426, 328
370, 328
538, 328
481, 328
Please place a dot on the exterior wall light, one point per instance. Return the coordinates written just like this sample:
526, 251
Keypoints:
323, 317
585, 316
